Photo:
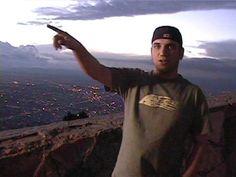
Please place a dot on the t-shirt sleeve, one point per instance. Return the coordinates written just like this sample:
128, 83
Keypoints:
123, 79
201, 121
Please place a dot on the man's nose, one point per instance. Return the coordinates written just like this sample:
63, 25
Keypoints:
163, 51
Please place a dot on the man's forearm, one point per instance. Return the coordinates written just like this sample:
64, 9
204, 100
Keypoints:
195, 164
91, 66
87, 61
197, 156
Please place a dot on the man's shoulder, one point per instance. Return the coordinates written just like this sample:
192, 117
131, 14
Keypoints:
189, 83
126, 69
124, 78
191, 87
129, 72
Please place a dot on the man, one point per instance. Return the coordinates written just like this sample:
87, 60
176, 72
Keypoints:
163, 111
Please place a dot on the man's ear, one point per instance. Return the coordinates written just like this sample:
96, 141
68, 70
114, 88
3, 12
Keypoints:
181, 53
151, 53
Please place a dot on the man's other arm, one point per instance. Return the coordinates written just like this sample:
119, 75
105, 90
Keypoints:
199, 152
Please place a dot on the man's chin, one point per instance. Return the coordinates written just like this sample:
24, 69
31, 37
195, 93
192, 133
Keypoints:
163, 70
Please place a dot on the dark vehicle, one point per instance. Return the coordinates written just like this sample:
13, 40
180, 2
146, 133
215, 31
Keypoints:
80, 115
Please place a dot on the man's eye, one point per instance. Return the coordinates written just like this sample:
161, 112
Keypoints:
156, 46
171, 46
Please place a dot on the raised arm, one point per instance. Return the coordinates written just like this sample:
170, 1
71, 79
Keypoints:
88, 63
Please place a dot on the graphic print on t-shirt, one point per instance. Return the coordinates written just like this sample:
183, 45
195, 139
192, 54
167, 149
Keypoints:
159, 101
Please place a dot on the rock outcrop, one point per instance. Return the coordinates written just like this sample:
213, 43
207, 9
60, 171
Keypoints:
89, 147
85, 147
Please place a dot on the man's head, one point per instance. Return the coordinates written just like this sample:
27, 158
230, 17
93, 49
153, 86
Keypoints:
167, 50
168, 32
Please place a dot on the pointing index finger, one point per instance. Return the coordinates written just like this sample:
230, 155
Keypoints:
55, 29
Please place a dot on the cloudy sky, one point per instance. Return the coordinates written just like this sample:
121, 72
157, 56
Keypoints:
123, 26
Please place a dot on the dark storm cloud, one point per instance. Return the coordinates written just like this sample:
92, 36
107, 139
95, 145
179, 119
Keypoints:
98, 9
221, 49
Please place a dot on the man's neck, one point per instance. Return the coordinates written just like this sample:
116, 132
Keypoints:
172, 75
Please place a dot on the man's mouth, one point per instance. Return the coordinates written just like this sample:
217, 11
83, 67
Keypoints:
163, 62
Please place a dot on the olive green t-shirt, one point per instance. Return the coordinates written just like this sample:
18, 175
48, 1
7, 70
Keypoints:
160, 116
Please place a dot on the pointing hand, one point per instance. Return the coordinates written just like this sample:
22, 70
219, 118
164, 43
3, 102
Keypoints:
62, 38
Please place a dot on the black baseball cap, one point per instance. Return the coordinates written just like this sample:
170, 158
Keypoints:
168, 32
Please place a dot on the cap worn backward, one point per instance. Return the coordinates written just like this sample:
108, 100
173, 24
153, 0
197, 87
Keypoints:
168, 32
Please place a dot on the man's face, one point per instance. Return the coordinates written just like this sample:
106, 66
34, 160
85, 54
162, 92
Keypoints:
166, 55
